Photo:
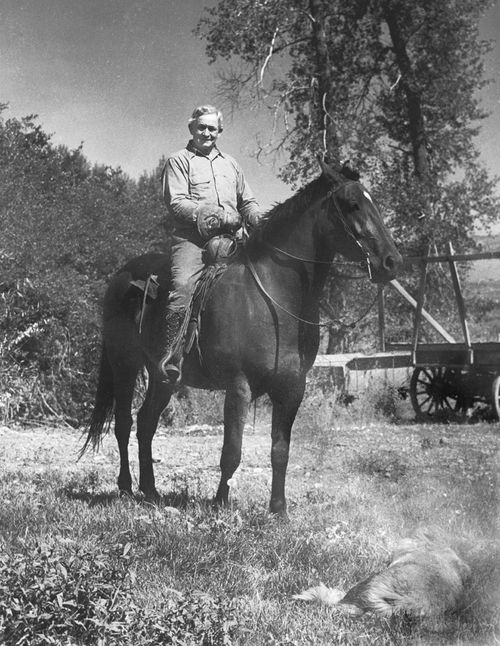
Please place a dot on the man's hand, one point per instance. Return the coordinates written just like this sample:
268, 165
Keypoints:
231, 221
209, 220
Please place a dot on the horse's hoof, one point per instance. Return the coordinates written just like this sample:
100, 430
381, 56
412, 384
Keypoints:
279, 511
152, 497
126, 493
219, 503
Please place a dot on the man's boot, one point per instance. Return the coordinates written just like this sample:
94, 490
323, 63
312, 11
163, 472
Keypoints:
170, 363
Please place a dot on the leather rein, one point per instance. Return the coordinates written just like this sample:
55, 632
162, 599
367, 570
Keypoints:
330, 195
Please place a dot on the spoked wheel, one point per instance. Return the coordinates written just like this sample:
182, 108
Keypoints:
495, 397
434, 392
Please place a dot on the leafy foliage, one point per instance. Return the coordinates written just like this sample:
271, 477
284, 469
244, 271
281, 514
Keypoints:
65, 228
79, 597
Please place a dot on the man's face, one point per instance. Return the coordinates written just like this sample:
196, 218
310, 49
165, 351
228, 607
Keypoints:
205, 131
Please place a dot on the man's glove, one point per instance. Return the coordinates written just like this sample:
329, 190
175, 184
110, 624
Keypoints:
209, 220
230, 222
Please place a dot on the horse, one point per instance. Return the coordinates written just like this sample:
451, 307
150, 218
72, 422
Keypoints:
259, 329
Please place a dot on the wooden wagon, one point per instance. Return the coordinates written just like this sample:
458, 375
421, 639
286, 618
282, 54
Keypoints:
448, 377
453, 376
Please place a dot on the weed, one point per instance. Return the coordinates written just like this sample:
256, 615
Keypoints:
77, 596
384, 463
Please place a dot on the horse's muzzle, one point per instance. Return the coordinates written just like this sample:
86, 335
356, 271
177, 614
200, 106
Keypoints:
388, 268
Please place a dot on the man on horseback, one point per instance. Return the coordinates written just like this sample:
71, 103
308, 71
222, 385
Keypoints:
206, 195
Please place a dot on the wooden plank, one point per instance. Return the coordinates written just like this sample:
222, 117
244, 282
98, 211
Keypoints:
439, 329
443, 354
459, 257
458, 354
381, 318
487, 353
381, 361
400, 356
458, 295
420, 305
333, 360
360, 361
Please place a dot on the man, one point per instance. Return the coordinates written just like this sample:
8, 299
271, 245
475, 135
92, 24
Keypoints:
206, 195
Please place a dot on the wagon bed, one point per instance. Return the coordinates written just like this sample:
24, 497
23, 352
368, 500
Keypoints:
458, 355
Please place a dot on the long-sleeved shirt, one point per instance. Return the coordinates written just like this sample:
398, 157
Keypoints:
191, 179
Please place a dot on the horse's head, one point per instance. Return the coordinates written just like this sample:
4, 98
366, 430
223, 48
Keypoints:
354, 225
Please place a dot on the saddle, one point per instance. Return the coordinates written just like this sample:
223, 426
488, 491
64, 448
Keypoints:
148, 287
219, 252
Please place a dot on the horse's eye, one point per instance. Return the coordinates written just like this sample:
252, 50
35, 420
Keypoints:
353, 207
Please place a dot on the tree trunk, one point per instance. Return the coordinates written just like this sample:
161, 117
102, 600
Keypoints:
323, 107
413, 95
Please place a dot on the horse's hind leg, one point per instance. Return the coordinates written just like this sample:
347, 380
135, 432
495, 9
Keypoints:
238, 397
124, 392
157, 397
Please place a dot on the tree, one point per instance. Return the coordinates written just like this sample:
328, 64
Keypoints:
66, 226
391, 84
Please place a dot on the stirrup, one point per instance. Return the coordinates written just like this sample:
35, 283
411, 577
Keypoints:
170, 368
170, 371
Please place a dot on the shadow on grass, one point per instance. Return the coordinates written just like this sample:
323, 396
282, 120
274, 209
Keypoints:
180, 499
92, 499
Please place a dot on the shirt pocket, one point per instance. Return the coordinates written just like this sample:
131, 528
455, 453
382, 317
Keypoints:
199, 182
199, 189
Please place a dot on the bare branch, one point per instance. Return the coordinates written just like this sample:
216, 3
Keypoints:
396, 82
231, 84
268, 57
276, 148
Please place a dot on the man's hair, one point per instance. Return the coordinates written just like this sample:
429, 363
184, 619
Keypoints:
206, 109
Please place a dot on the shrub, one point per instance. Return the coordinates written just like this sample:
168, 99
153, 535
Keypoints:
49, 596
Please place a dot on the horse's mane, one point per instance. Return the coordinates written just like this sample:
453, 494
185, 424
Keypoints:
291, 207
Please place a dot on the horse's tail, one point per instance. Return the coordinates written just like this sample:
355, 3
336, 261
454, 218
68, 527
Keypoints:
102, 414
121, 303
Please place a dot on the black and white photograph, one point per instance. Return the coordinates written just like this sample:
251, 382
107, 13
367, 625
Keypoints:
250, 322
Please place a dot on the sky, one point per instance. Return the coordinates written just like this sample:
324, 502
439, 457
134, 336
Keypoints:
122, 76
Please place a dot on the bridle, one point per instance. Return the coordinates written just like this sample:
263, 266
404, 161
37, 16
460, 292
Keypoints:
366, 252
330, 195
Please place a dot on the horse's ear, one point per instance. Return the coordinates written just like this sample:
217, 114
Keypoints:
348, 171
328, 166
323, 163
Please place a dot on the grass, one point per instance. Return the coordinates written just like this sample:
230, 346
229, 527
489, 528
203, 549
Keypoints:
80, 565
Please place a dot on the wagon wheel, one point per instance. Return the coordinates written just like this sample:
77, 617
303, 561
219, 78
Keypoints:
495, 396
434, 392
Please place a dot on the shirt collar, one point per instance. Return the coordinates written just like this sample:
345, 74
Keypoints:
215, 152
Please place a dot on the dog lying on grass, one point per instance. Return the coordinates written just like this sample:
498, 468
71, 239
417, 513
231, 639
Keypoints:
425, 578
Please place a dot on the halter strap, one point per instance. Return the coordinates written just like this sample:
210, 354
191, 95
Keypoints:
331, 194
253, 271
315, 261
255, 276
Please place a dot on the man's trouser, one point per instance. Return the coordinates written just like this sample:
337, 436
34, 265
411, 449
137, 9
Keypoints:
186, 267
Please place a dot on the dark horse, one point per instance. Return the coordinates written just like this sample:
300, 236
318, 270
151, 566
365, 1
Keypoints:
259, 329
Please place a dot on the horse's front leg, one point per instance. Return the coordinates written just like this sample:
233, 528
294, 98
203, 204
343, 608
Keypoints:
157, 397
238, 397
286, 401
